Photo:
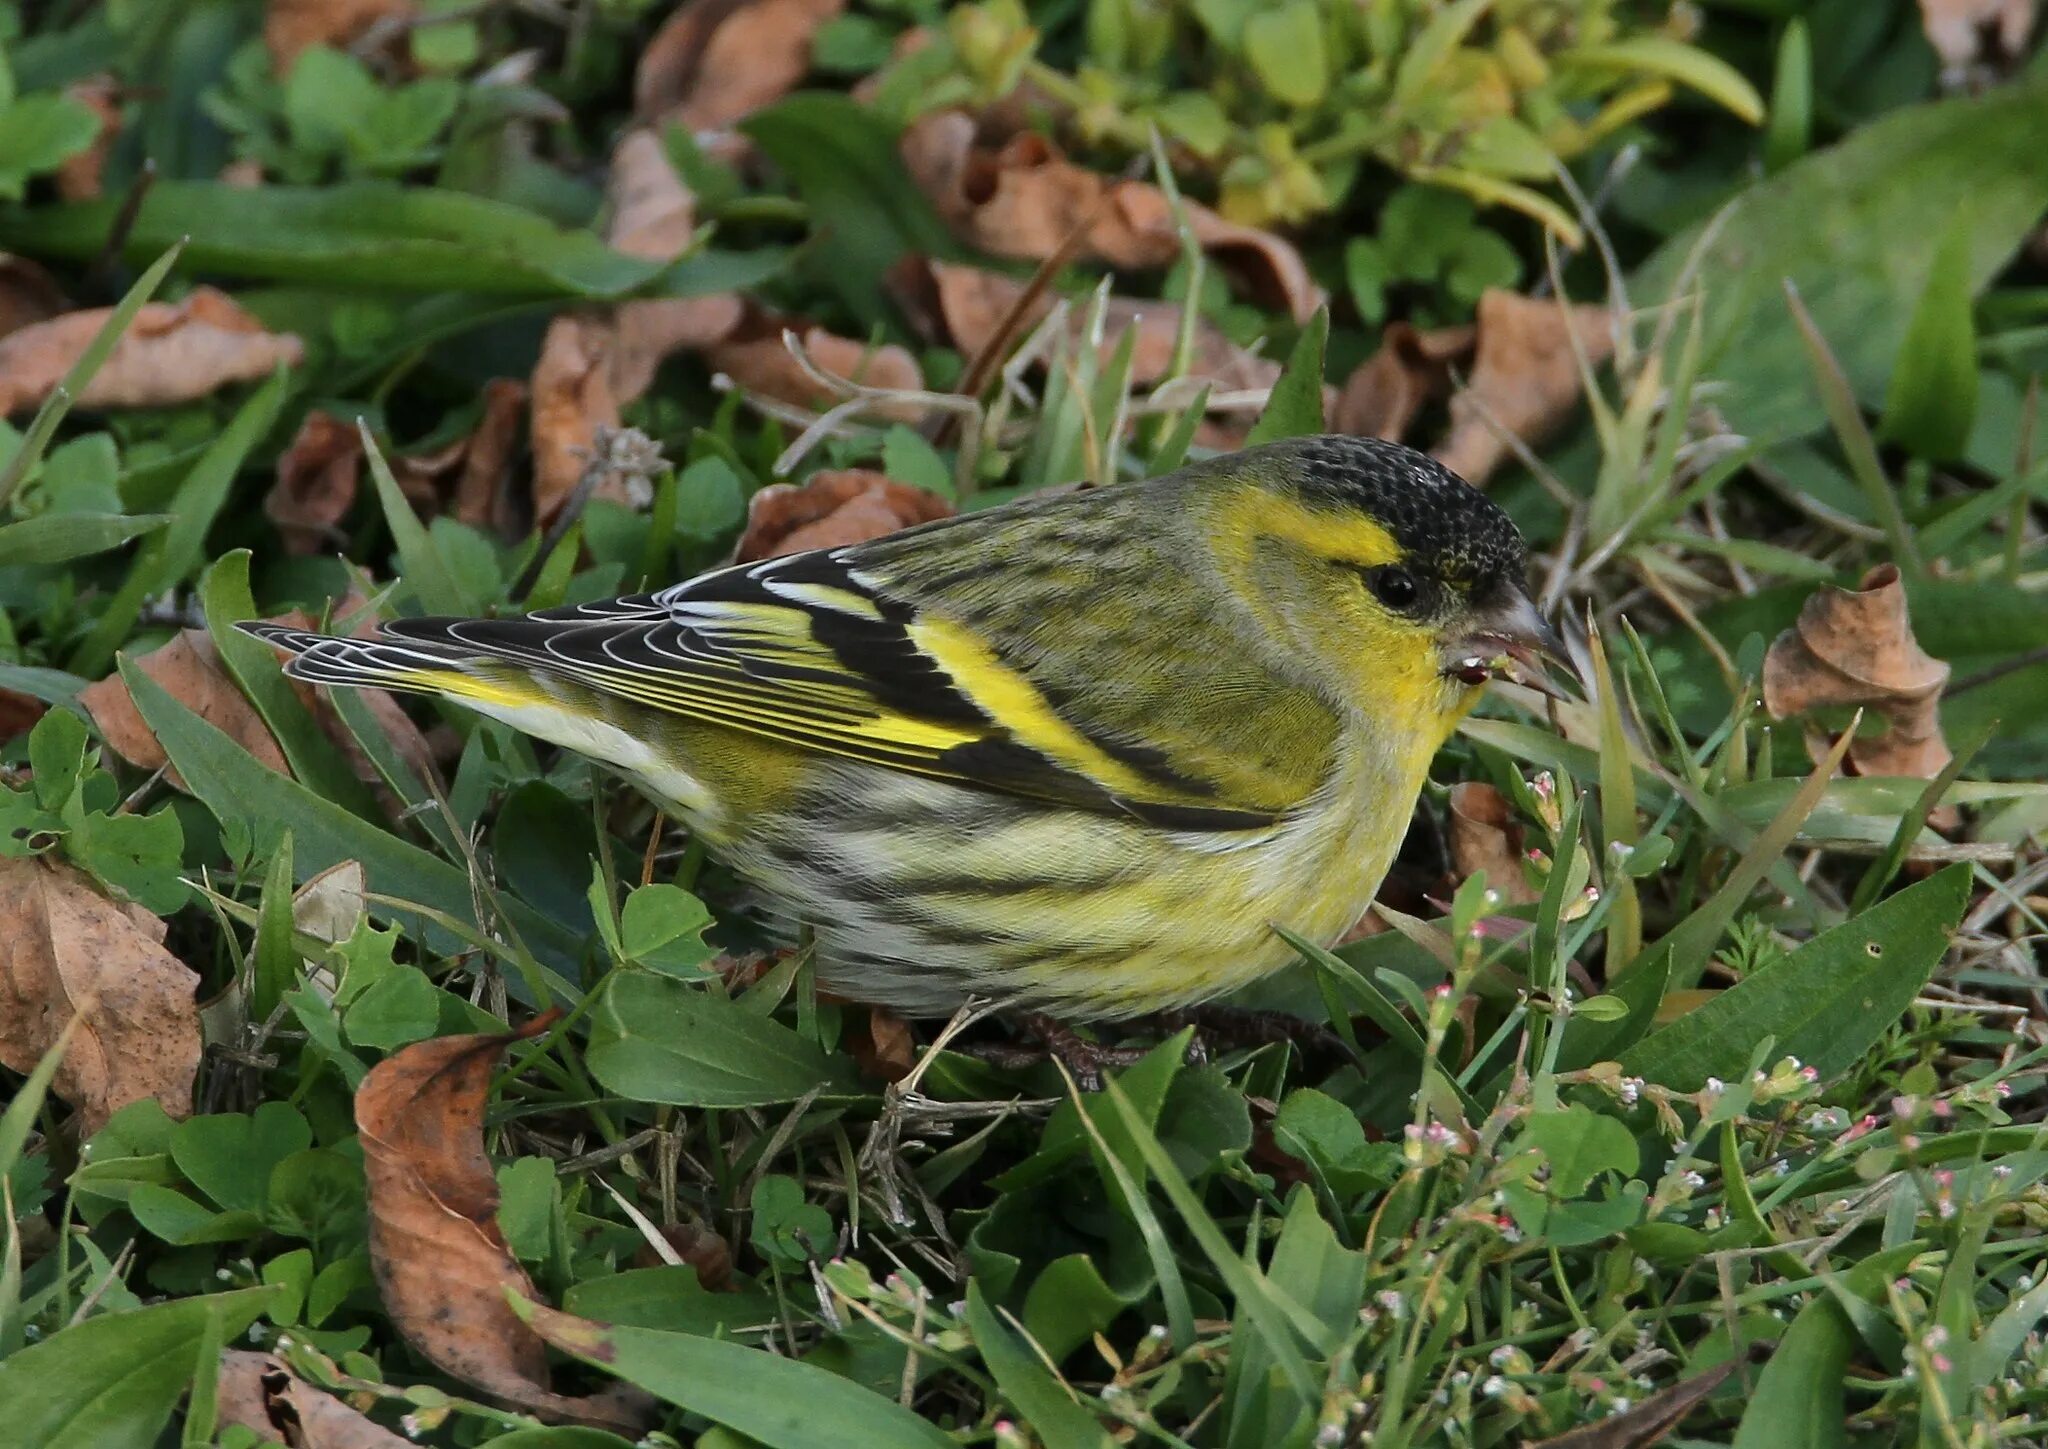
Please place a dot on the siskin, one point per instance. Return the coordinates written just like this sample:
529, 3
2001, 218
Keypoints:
1078, 754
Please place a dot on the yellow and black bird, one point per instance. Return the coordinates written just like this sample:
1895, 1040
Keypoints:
1078, 754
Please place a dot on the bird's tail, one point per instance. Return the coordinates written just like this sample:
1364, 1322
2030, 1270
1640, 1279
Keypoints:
407, 666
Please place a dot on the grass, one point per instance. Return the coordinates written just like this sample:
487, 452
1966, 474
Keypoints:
1708, 1112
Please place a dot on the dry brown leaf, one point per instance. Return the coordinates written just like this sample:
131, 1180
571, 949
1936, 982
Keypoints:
1484, 836
316, 483
70, 951
466, 478
715, 61
1648, 1422
654, 216
757, 360
882, 1046
971, 303
1388, 391
594, 363
572, 399
831, 510
189, 670
1965, 33
440, 1259
1525, 377
28, 294
19, 713
705, 1252
259, 1393
291, 26
171, 353
1024, 198
1854, 648
81, 177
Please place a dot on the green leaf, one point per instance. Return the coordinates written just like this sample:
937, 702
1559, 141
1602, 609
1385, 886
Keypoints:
1069, 1302
37, 133
908, 458
397, 1008
1797, 1402
782, 1403
426, 571
657, 1040
526, 1206
1041, 1400
363, 234
226, 600
785, 1226
1789, 134
1688, 65
1932, 400
112, 1381
842, 159
1825, 1003
240, 792
1284, 45
53, 538
184, 1223
1295, 409
669, 1298
1850, 226
230, 1156
662, 927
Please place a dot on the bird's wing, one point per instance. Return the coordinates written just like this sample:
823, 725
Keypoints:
813, 651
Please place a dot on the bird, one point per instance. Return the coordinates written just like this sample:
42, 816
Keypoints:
1078, 755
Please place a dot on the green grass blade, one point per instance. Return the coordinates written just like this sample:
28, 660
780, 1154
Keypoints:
426, 572
1044, 1403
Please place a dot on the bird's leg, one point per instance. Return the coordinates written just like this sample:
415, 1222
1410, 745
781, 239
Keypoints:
1236, 1026
1085, 1059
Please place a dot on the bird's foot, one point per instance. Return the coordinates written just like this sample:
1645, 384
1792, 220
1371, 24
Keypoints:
1052, 1039
1236, 1026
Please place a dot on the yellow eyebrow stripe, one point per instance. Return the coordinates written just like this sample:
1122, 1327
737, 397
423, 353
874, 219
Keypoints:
1011, 700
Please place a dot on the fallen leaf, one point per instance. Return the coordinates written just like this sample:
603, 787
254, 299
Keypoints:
1968, 33
882, 1046
292, 26
1854, 648
28, 294
190, 670
171, 353
260, 1394
1648, 1422
332, 904
759, 362
1023, 198
70, 950
595, 362
1484, 836
440, 1259
1412, 368
653, 215
316, 483
704, 1251
1525, 377
81, 177
572, 399
18, 713
1522, 376
714, 61
833, 509
466, 478
972, 303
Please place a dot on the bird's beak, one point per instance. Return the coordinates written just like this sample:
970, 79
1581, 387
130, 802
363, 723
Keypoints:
1509, 640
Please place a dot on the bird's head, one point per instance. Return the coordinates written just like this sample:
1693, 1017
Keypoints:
1396, 580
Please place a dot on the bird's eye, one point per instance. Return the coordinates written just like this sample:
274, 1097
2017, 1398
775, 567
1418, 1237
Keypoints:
1393, 586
